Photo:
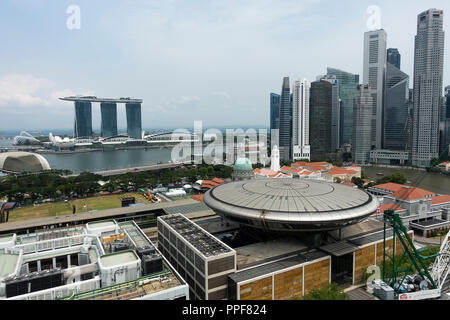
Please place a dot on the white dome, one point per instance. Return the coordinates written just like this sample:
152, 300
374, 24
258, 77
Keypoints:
23, 162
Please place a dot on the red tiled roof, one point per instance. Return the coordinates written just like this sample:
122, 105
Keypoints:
440, 199
389, 186
388, 206
198, 197
348, 183
407, 193
217, 180
338, 170
290, 169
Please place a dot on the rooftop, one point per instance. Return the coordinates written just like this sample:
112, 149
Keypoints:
290, 195
268, 250
410, 193
389, 186
207, 244
440, 199
95, 99
119, 258
8, 264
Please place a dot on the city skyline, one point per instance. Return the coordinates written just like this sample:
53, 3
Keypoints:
170, 77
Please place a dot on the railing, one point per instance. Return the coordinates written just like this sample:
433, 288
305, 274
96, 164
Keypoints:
111, 291
63, 291
45, 245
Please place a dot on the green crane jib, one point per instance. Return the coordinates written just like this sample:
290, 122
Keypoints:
393, 220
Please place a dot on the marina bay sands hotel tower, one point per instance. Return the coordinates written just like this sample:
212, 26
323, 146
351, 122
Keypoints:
108, 107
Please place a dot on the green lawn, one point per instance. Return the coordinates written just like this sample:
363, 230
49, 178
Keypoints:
64, 208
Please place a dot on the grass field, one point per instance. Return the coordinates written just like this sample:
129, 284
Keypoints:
64, 208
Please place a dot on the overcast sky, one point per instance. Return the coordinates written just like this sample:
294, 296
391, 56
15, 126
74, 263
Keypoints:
210, 60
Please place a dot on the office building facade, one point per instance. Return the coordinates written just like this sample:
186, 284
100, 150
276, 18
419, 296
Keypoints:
428, 77
274, 111
109, 119
83, 119
362, 124
375, 60
396, 109
348, 83
394, 57
134, 120
300, 120
285, 128
324, 106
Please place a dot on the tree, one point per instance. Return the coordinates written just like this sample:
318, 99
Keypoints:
347, 156
326, 292
358, 181
396, 177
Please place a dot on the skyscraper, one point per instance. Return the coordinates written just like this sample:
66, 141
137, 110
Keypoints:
362, 124
285, 121
394, 57
348, 83
324, 116
109, 119
444, 126
396, 109
300, 120
375, 60
274, 111
83, 119
428, 76
134, 122
447, 102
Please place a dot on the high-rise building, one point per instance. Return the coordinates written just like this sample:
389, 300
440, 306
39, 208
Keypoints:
324, 116
348, 83
428, 77
109, 119
274, 111
83, 119
375, 60
300, 120
362, 124
396, 109
444, 126
447, 102
285, 121
394, 57
134, 121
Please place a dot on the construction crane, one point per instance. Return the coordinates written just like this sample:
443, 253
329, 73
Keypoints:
429, 282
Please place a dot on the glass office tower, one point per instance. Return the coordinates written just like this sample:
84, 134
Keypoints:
348, 84
274, 111
285, 121
396, 109
83, 119
134, 120
109, 119
394, 57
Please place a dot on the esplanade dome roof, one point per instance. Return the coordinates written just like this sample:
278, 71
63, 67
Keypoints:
23, 162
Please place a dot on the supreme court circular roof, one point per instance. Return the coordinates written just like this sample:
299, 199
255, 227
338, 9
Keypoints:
291, 204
